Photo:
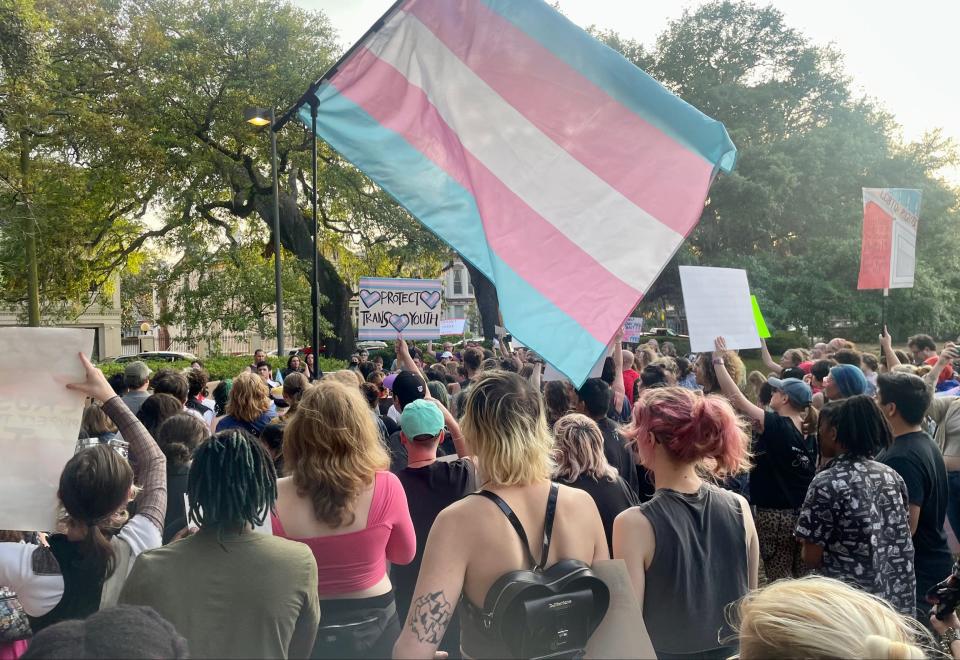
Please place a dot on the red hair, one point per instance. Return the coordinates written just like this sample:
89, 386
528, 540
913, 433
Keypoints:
691, 427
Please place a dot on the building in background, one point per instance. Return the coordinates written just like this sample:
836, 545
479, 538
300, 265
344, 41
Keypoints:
102, 316
459, 301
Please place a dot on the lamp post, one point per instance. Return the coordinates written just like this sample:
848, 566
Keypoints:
264, 117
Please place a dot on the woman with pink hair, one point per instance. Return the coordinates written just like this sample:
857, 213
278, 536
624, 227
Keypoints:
692, 549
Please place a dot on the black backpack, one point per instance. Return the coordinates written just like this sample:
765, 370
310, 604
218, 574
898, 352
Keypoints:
538, 612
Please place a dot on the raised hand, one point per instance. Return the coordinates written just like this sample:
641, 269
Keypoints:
719, 346
95, 384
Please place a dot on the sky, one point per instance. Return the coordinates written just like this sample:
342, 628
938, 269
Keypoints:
903, 54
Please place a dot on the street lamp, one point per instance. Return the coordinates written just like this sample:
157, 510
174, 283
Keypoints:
261, 117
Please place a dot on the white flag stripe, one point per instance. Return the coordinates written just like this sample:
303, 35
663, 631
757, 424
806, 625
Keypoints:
625, 239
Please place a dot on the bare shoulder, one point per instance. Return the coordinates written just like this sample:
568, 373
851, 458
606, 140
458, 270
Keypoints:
576, 497
632, 521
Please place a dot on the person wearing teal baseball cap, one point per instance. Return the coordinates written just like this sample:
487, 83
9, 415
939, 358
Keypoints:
431, 485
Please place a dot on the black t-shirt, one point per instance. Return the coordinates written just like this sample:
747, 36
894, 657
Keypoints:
618, 456
430, 489
611, 498
917, 460
398, 453
784, 464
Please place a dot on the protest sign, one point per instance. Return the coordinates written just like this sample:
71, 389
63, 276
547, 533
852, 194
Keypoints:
39, 420
717, 301
632, 329
453, 326
758, 319
399, 307
888, 248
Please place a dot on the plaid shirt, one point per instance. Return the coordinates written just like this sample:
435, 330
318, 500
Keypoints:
151, 464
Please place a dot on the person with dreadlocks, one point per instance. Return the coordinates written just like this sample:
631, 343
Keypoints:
229, 590
82, 569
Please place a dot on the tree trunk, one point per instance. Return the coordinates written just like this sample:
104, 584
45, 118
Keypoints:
30, 234
487, 302
296, 236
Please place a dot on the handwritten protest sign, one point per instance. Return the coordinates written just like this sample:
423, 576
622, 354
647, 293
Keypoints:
39, 420
762, 329
406, 307
717, 301
632, 329
888, 249
453, 326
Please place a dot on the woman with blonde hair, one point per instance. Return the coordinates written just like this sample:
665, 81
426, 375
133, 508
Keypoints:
342, 502
818, 617
249, 406
671, 544
472, 542
582, 464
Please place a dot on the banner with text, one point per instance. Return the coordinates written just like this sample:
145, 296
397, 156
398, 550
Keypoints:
39, 420
888, 250
407, 307
632, 329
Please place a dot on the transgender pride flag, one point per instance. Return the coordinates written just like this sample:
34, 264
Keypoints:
565, 174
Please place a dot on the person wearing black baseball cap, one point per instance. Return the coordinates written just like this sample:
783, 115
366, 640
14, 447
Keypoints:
785, 459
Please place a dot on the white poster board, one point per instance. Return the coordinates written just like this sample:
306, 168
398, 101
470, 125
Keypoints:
632, 329
392, 307
39, 420
453, 326
717, 302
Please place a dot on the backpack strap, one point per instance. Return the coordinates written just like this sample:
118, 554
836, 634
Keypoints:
518, 526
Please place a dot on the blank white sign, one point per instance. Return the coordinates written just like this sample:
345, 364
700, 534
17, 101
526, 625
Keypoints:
717, 301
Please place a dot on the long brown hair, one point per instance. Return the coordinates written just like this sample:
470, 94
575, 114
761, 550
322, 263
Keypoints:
94, 489
332, 449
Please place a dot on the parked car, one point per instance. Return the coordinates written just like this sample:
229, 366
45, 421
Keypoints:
371, 345
157, 356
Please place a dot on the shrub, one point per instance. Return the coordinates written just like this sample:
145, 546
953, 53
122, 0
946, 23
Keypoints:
782, 340
220, 367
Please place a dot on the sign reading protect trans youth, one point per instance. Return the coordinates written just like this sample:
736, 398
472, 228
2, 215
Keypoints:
399, 307
888, 252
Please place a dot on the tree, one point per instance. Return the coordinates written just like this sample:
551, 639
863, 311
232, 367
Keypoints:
791, 212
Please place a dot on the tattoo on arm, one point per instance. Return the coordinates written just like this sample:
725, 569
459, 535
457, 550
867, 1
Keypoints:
430, 616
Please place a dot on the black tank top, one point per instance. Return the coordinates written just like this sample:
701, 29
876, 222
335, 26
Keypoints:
82, 586
699, 567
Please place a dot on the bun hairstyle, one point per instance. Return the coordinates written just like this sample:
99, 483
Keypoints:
94, 489
691, 427
817, 617
179, 436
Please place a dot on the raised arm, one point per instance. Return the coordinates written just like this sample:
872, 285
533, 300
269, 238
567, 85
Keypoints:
406, 361
150, 463
768, 360
886, 344
448, 420
619, 391
729, 388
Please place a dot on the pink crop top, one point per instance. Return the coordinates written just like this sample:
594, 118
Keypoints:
354, 561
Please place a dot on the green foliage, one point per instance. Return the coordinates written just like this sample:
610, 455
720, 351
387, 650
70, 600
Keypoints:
782, 340
791, 213
220, 367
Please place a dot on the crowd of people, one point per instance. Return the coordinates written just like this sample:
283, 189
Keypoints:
454, 502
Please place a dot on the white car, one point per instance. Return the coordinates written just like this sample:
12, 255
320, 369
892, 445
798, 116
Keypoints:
371, 345
160, 356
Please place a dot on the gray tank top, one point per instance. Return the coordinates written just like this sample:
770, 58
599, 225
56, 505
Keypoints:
699, 567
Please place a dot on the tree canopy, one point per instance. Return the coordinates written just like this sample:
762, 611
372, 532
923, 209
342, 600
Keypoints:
121, 129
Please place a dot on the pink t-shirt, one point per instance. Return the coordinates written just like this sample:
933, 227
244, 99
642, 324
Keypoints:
354, 561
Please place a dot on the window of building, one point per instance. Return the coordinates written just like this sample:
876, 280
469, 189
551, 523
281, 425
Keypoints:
458, 311
458, 281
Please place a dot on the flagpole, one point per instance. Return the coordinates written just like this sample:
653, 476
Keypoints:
315, 279
883, 309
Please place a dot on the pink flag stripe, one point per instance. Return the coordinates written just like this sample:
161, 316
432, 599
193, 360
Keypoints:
643, 163
539, 253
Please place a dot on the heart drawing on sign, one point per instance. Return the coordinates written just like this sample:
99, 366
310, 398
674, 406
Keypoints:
370, 298
399, 322
430, 298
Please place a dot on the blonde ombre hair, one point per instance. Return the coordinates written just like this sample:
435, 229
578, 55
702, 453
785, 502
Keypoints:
818, 617
249, 398
504, 424
347, 377
579, 449
332, 449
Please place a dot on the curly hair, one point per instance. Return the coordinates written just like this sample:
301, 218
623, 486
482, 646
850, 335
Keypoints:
707, 377
249, 398
332, 450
